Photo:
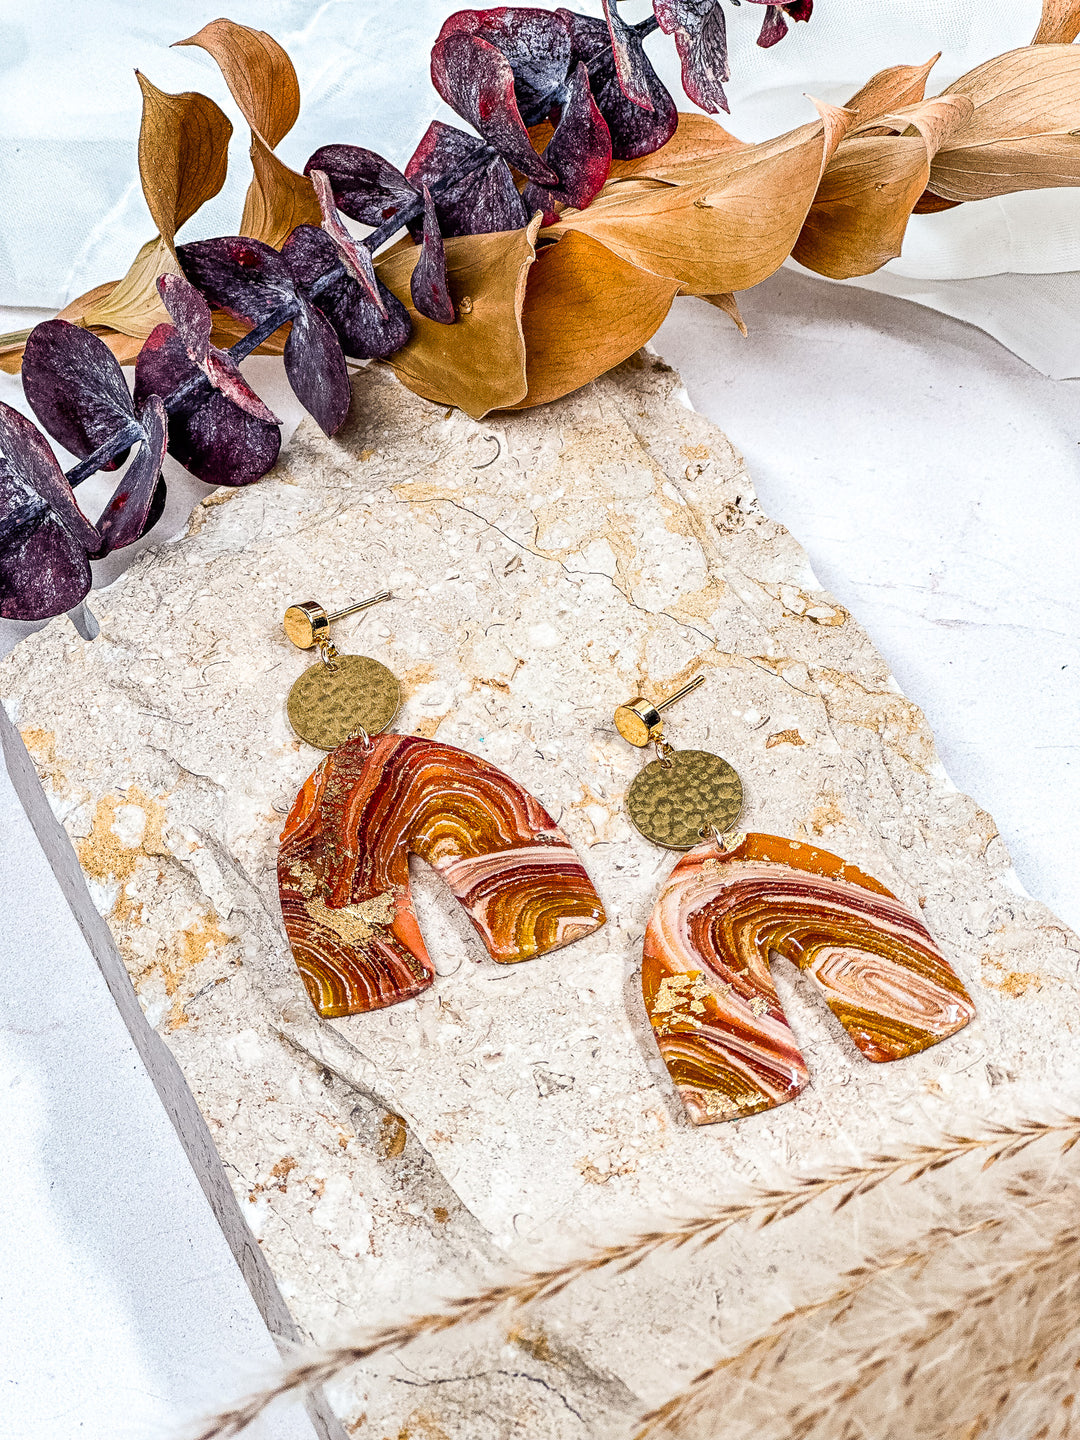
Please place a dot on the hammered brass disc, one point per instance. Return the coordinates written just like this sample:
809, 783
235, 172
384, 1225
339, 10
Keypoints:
327, 706
671, 806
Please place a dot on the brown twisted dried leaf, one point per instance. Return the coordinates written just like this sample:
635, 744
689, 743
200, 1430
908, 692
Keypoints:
871, 186
183, 154
586, 309
478, 363
698, 139
733, 226
1023, 133
263, 82
890, 89
1060, 23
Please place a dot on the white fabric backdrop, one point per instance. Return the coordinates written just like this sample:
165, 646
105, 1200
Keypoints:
73, 215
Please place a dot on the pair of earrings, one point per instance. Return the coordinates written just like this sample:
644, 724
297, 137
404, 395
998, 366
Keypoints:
730, 903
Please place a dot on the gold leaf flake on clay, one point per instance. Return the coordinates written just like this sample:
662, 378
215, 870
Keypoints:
355, 923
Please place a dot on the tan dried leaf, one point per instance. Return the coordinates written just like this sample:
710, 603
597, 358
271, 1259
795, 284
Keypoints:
697, 139
871, 186
1024, 133
730, 306
478, 363
1060, 23
132, 306
183, 154
889, 89
586, 309
262, 81
723, 232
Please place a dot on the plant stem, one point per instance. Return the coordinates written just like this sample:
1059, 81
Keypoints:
254, 338
128, 434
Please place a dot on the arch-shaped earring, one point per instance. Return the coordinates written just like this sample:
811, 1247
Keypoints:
733, 901
343, 865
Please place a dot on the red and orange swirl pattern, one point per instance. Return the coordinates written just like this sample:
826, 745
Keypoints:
710, 995
343, 868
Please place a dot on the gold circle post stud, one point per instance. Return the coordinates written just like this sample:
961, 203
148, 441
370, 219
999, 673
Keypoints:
640, 722
308, 623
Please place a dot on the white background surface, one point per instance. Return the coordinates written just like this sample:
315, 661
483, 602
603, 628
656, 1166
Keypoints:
931, 475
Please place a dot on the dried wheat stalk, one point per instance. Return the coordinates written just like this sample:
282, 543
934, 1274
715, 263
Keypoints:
952, 1369
759, 1208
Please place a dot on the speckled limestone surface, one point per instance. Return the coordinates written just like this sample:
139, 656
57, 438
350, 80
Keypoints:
544, 567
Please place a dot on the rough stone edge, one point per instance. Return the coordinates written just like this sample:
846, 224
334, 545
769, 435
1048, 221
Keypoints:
161, 1066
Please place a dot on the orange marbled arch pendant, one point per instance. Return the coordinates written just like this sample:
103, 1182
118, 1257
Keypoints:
343, 868
710, 995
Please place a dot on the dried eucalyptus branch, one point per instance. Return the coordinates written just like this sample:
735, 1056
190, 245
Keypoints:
760, 1208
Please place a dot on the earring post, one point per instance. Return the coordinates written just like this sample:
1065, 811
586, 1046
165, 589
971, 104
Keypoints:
360, 605
686, 689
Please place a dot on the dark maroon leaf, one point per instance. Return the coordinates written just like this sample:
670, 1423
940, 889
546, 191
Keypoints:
192, 321
701, 40
254, 283
129, 513
628, 55
429, 286
774, 26
635, 131
471, 184
355, 257
366, 187
537, 45
45, 539
76, 388
316, 369
579, 152
476, 80
243, 277
209, 434
365, 332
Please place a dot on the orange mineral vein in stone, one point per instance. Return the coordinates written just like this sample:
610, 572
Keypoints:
343, 868
710, 995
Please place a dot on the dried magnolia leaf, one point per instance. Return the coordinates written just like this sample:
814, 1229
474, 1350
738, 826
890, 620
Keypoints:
478, 363
889, 89
183, 154
586, 309
278, 199
133, 306
730, 307
1023, 134
262, 81
697, 139
258, 72
727, 231
1060, 23
871, 186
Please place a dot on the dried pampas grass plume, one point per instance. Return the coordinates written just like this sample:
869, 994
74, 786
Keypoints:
994, 1142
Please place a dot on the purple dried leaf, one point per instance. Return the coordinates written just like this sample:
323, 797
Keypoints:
355, 257
701, 40
253, 282
316, 369
429, 286
471, 184
130, 511
635, 131
211, 435
243, 277
475, 79
76, 388
628, 56
579, 152
365, 331
774, 26
192, 321
366, 187
537, 45
45, 539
